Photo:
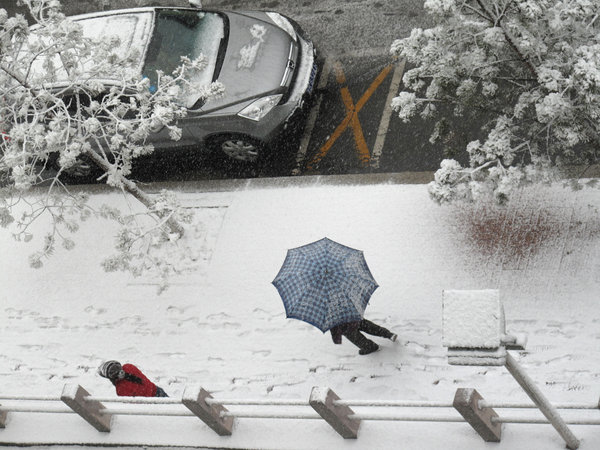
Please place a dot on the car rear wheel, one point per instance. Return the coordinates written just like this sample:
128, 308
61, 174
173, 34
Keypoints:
239, 148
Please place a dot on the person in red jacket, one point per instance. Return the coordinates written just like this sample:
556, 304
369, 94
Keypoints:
129, 381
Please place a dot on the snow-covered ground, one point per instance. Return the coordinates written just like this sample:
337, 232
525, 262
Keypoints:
224, 327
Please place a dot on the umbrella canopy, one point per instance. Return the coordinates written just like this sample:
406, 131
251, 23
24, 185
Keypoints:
325, 284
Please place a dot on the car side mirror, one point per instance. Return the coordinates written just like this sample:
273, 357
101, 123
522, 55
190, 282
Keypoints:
195, 3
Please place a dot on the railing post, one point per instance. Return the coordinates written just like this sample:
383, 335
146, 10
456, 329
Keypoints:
3, 417
194, 398
74, 396
542, 402
322, 400
466, 402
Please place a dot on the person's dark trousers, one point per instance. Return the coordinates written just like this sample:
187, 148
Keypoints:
373, 329
160, 392
365, 345
357, 338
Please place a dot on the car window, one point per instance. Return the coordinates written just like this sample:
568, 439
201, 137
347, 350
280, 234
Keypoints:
184, 33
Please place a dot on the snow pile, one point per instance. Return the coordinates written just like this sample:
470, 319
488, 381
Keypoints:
472, 319
473, 327
249, 52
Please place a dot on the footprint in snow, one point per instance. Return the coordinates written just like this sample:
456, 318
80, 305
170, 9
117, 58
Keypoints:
416, 345
218, 316
264, 314
32, 346
93, 310
293, 360
219, 325
193, 321
177, 309
174, 355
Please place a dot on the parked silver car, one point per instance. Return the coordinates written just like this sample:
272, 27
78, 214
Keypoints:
263, 59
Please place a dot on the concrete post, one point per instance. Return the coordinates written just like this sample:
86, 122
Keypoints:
542, 403
194, 398
74, 397
3, 417
466, 402
322, 401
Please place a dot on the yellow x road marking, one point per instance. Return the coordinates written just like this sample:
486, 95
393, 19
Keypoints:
351, 118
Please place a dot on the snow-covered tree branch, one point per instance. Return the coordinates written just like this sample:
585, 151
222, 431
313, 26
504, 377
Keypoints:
531, 67
69, 101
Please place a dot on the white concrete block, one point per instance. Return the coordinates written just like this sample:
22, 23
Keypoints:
472, 318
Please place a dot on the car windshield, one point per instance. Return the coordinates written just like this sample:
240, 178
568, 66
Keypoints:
188, 33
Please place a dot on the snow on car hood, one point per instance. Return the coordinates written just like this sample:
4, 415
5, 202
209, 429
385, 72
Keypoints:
255, 60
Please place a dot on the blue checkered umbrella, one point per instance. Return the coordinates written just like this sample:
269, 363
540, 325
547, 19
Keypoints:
325, 284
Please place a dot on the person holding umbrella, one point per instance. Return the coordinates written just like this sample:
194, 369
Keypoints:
329, 285
352, 332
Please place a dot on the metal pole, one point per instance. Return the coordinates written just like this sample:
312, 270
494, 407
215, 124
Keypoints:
136, 400
515, 405
540, 420
408, 417
145, 412
257, 402
36, 398
36, 409
540, 400
270, 415
395, 403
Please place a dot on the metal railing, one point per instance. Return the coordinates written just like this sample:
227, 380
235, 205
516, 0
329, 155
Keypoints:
323, 404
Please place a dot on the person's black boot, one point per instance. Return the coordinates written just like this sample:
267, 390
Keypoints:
369, 349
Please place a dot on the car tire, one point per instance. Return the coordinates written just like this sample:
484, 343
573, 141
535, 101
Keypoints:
238, 147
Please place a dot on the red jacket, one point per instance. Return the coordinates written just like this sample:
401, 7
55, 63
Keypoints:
129, 387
